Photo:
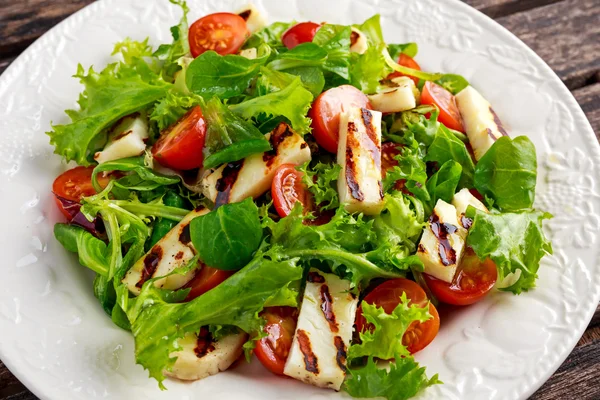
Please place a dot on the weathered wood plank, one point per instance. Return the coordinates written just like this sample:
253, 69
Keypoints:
21, 22
566, 35
11, 388
501, 8
5, 62
592, 333
589, 100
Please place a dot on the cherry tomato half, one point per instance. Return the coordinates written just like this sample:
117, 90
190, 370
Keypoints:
387, 295
273, 350
303, 32
224, 33
436, 95
180, 146
73, 185
408, 62
287, 189
205, 279
325, 113
473, 280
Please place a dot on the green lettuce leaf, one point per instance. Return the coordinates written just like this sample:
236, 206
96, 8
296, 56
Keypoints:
291, 102
180, 47
445, 147
90, 249
442, 184
514, 241
409, 49
228, 137
368, 69
403, 380
157, 324
304, 55
321, 181
117, 91
272, 81
173, 106
227, 237
452, 83
507, 173
270, 35
132, 50
335, 40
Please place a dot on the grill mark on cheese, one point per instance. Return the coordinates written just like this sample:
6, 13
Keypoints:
184, 235
282, 132
466, 222
353, 38
498, 122
441, 231
315, 277
122, 135
373, 144
351, 180
226, 182
422, 248
245, 15
340, 356
179, 255
151, 261
311, 363
327, 308
204, 343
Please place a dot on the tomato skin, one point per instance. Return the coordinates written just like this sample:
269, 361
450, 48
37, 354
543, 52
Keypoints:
445, 101
73, 185
272, 351
387, 295
408, 62
287, 189
180, 146
303, 32
224, 33
206, 278
474, 279
325, 113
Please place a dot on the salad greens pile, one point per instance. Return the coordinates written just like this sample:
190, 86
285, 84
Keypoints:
241, 100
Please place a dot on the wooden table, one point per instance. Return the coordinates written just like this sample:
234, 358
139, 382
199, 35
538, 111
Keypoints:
565, 33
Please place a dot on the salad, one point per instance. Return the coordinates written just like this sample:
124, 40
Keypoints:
299, 192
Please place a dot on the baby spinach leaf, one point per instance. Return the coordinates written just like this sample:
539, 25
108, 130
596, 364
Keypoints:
514, 241
452, 83
270, 35
228, 137
91, 250
446, 146
335, 40
442, 184
227, 237
507, 173
272, 81
303, 55
147, 178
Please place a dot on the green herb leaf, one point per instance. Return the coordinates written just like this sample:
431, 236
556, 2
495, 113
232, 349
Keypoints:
507, 173
228, 137
403, 380
117, 91
442, 184
227, 237
291, 102
514, 241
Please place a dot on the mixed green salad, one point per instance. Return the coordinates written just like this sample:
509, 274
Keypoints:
299, 192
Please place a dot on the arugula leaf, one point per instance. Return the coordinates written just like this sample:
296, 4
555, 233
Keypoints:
403, 380
452, 83
410, 49
117, 91
335, 40
227, 237
445, 147
180, 47
228, 137
132, 50
291, 102
507, 173
91, 250
211, 74
514, 241
173, 106
385, 340
321, 181
144, 178
442, 184
156, 324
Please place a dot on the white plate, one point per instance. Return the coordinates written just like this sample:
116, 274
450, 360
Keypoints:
58, 341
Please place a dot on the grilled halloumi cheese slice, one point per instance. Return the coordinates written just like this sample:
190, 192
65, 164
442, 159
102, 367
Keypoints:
174, 250
250, 53
127, 139
255, 20
461, 201
443, 242
359, 155
480, 120
399, 94
358, 41
252, 176
201, 356
323, 332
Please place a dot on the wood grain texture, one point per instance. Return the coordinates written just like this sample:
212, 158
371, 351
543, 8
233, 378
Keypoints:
501, 8
566, 35
23, 21
589, 100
